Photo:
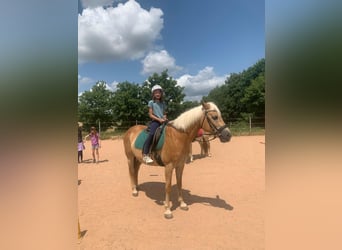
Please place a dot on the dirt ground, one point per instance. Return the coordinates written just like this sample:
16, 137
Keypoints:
225, 194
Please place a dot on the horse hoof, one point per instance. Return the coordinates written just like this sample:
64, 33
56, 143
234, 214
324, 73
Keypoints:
135, 194
186, 208
168, 216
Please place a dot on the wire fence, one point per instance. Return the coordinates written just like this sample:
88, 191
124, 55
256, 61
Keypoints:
250, 126
238, 126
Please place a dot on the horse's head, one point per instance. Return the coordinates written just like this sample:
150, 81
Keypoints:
213, 122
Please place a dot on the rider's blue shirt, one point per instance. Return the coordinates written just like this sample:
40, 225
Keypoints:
158, 108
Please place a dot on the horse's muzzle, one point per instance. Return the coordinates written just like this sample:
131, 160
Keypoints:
225, 135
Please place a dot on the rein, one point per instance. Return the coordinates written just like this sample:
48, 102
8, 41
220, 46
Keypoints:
207, 140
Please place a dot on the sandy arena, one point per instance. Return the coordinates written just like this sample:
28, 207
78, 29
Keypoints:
225, 194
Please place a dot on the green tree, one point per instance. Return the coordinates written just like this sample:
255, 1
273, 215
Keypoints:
94, 106
254, 98
218, 95
189, 105
243, 93
128, 104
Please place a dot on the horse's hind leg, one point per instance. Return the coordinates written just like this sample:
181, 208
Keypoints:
201, 142
168, 180
179, 176
134, 165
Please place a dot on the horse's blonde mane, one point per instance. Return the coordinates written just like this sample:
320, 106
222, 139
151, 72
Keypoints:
190, 117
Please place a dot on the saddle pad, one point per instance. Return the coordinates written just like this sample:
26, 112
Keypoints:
139, 142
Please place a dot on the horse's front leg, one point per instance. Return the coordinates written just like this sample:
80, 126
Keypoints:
179, 176
134, 165
168, 180
208, 145
191, 158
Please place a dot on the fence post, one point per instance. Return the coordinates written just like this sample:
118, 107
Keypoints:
250, 125
99, 127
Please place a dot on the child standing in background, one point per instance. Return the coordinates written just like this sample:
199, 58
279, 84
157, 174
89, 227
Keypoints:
80, 145
95, 143
80, 148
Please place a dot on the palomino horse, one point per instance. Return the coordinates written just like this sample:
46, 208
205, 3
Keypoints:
204, 142
179, 134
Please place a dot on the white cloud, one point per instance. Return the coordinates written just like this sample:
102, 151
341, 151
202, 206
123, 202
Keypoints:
201, 84
112, 86
157, 62
85, 80
96, 3
124, 32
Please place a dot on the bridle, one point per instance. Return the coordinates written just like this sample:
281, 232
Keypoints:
217, 131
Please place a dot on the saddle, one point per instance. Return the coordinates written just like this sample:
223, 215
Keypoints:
157, 142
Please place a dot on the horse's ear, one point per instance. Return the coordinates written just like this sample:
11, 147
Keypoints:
205, 105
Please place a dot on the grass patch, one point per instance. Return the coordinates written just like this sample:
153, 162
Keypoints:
112, 134
239, 131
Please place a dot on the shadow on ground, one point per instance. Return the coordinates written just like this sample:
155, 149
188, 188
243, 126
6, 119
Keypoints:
156, 192
90, 161
195, 157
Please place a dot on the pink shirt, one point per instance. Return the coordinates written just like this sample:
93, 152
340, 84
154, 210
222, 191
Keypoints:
94, 139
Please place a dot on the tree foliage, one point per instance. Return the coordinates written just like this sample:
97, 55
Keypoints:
254, 98
127, 103
243, 93
94, 106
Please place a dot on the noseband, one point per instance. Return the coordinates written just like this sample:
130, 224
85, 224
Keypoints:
217, 131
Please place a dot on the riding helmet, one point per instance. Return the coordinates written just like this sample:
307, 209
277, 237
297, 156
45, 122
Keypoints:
156, 87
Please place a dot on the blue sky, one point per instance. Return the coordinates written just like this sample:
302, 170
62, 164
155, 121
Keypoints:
199, 42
